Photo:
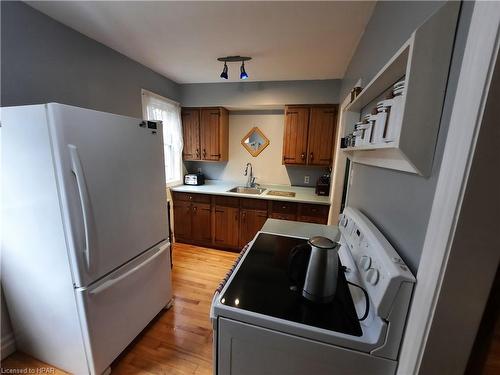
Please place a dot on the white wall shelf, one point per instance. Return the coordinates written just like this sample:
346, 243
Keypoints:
423, 60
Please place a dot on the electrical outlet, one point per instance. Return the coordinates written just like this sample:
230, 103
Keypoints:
306, 179
199, 169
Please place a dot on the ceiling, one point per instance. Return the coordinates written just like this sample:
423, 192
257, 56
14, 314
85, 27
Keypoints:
182, 40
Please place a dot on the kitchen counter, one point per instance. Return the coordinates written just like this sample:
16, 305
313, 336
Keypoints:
218, 187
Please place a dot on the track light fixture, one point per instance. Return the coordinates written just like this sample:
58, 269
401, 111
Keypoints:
242, 59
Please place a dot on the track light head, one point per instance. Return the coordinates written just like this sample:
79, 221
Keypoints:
243, 73
224, 72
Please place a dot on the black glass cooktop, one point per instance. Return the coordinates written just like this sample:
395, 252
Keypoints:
262, 285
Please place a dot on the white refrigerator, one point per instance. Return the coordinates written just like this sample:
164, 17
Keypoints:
85, 248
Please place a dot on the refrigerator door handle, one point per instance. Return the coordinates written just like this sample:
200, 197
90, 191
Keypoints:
77, 169
109, 283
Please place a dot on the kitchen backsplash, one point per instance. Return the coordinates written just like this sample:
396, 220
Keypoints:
216, 171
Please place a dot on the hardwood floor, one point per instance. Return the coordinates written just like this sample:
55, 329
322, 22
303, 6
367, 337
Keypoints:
178, 341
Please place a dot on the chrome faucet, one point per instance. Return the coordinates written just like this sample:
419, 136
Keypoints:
251, 178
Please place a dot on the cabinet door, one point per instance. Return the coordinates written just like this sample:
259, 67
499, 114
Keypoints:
182, 220
209, 134
191, 134
202, 223
295, 137
226, 226
321, 135
251, 221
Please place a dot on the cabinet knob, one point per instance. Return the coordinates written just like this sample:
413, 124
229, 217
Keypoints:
204, 153
311, 156
303, 155
197, 153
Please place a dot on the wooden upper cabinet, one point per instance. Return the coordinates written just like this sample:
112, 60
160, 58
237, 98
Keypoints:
191, 134
309, 135
206, 134
322, 124
209, 134
295, 137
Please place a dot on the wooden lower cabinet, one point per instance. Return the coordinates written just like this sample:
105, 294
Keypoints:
201, 222
227, 221
251, 221
313, 213
231, 222
192, 218
182, 219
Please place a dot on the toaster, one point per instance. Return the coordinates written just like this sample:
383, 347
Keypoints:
194, 179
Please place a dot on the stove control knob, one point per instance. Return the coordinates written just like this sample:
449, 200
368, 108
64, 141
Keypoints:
365, 262
372, 276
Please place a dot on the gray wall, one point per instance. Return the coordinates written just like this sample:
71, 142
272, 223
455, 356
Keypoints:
45, 61
399, 203
255, 94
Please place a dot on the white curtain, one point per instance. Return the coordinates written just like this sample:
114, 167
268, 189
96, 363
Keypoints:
156, 107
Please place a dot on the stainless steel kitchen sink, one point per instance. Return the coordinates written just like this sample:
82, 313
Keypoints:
246, 190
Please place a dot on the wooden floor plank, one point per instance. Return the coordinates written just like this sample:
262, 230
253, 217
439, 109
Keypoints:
178, 341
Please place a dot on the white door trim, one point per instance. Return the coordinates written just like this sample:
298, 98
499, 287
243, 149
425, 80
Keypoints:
475, 75
338, 173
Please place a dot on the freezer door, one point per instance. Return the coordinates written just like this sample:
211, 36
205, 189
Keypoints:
112, 178
117, 308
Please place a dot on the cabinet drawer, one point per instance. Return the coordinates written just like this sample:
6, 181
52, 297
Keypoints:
284, 207
313, 219
254, 204
313, 210
280, 216
191, 197
226, 201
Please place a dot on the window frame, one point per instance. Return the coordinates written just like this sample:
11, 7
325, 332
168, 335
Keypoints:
144, 94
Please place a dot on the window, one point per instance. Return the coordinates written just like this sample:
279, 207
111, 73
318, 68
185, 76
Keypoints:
156, 107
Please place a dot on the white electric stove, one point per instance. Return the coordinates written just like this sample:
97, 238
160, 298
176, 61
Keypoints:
262, 326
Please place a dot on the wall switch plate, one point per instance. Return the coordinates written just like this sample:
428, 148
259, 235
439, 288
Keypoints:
306, 179
199, 169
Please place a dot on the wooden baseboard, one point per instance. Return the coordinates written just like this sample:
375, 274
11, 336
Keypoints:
8, 345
